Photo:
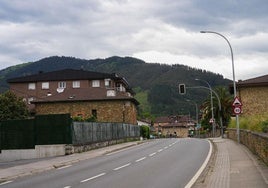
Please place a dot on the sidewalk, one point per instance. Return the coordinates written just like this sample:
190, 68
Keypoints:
7, 174
233, 166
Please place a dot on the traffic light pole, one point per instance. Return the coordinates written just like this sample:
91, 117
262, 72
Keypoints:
219, 102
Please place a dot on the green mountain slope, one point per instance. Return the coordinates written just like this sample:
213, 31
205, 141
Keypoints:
155, 84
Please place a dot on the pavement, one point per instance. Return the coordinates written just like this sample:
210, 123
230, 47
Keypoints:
231, 165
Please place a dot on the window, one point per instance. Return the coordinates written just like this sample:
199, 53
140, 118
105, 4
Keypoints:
108, 82
31, 86
62, 85
95, 83
45, 85
76, 84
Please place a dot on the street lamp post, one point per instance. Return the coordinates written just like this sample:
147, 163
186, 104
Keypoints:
211, 103
234, 84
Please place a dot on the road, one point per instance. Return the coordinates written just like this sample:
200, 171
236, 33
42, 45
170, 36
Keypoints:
160, 163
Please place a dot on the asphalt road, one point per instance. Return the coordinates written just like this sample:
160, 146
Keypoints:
156, 164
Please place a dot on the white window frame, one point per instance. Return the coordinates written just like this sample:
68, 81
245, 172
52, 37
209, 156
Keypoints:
95, 83
108, 82
45, 85
32, 86
76, 84
62, 84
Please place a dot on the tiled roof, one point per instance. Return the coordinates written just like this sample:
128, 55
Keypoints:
84, 94
258, 81
66, 74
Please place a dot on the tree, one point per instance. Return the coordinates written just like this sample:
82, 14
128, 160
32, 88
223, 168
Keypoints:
226, 107
12, 107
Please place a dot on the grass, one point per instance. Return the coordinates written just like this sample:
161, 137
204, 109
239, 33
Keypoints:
256, 123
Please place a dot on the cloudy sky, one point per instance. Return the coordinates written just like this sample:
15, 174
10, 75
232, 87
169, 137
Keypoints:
157, 31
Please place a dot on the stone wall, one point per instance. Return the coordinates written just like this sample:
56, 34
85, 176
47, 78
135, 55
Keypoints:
107, 111
256, 142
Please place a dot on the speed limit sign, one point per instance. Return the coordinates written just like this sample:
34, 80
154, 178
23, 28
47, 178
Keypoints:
237, 110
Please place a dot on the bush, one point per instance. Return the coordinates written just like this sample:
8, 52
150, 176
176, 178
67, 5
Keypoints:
145, 131
264, 126
256, 123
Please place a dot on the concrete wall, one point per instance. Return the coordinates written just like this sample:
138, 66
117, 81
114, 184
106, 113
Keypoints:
40, 151
256, 142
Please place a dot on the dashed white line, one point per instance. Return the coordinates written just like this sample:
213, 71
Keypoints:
166, 147
6, 182
123, 166
138, 160
152, 154
67, 187
94, 177
160, 150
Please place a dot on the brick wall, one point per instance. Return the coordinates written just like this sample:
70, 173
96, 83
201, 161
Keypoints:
254, 100
107, 111
256, 142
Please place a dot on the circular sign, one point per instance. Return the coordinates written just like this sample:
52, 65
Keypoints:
237, 110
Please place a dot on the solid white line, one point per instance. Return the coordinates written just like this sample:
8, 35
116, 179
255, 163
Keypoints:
99, 175
64, 167
198, 173
138, 160
6, 182
118, 168
152, 154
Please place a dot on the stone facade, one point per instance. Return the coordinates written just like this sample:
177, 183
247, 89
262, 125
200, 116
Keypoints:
254, 100
106, 111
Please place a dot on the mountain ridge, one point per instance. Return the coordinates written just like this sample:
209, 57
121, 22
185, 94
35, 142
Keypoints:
156, 82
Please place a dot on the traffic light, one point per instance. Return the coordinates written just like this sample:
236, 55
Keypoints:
182, 89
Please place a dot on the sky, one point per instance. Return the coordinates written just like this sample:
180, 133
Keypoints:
156, 31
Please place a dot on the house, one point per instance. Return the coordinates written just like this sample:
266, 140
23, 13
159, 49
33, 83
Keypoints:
253, 94
85, 94
178, 125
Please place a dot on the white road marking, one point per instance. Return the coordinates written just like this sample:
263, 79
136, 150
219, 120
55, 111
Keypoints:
123, 166
152, 154
64, 167
6, 182
138, 160
67, 187
160, 150
166, 147
94, 177
198, 173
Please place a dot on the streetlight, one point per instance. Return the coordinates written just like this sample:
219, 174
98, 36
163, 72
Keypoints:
211, 102
234, 84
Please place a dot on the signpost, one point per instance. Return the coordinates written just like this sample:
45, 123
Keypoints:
237, 106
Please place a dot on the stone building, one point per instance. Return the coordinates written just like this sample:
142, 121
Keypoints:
253, 94
85, 94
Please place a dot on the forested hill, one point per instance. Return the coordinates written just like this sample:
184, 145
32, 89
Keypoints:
155, 84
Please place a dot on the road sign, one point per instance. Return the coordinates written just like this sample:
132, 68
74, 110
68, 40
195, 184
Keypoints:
237, 102
237, 110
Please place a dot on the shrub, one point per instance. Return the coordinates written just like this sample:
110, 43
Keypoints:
145, 131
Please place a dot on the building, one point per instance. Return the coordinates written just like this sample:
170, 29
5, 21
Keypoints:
253, 94
85, 94
177, 126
